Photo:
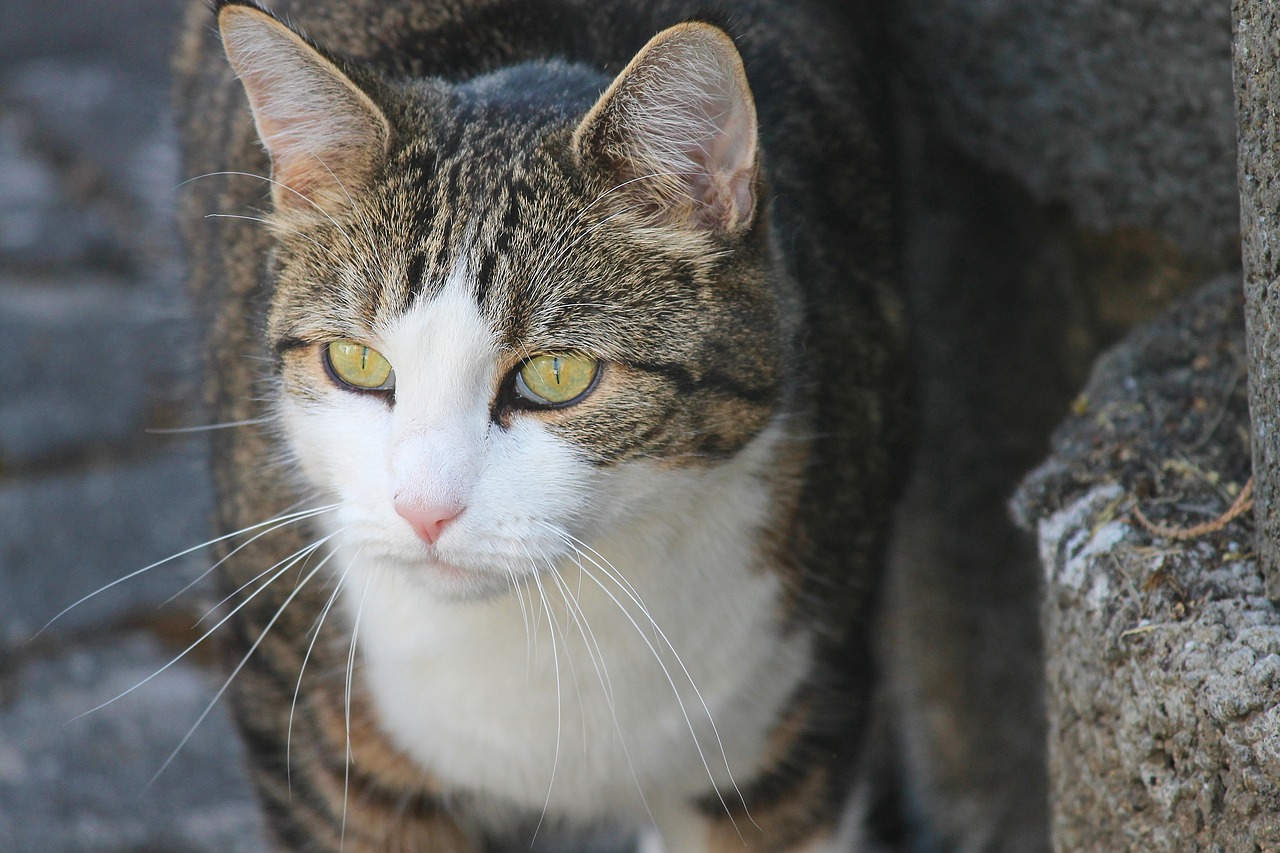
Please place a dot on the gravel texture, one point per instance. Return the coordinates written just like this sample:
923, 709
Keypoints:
1163, 670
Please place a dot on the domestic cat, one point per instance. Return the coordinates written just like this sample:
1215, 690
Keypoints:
564, 344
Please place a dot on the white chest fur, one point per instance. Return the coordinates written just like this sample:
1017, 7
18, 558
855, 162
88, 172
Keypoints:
594, 696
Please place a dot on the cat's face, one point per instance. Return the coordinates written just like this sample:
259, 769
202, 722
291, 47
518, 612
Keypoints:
500, 340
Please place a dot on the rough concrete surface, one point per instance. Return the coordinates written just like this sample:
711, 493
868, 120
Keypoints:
99, 349
85, 783
1163, 661
1257, 79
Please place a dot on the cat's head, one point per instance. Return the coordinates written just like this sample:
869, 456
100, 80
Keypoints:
519, 312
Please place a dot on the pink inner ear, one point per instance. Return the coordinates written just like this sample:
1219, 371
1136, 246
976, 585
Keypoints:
680, 120
323, 134
726, 204
726, 164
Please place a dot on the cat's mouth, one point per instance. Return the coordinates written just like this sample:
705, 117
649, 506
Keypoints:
454, 571
454, 580
450, 571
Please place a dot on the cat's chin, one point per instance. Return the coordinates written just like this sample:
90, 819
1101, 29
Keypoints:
450, 582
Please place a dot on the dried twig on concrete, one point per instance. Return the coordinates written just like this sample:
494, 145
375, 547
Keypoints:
1243, 503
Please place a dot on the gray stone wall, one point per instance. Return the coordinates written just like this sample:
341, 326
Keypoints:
1121, 111
1163, 670
1257, 91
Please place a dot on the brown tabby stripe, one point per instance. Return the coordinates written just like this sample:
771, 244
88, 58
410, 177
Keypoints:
784, 825
387, 800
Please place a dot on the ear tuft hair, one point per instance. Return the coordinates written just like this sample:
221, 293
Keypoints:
324, 135
678, 127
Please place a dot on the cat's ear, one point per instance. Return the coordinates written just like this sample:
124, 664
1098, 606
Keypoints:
678, 128
324, 135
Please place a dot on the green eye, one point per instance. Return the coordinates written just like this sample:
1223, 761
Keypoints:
359, 366
556, 380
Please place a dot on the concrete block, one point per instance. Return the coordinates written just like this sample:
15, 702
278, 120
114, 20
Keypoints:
87, 360
1161, 649
39, 224
110, 135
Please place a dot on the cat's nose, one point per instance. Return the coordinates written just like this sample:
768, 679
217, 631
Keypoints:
428, 521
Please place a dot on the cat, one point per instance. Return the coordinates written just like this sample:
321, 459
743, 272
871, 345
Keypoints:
563, 351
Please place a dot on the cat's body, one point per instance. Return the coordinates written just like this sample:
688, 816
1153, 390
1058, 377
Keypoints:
646, 606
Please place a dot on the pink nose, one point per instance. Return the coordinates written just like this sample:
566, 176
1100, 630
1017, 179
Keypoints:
428, 521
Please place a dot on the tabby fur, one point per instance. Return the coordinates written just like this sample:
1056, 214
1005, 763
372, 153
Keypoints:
752, 341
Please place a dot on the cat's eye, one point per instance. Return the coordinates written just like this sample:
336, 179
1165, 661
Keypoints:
361, 367
556, 379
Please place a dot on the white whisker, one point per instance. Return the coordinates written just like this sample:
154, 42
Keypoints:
513, 582
282, 186
555, 659
370, 233
245, 660
288, 563
351, 660
602, 672
616, 575
313, 241
205, 427
299, 518
625, 586
569, 609
178, 555
315, 635
568, 654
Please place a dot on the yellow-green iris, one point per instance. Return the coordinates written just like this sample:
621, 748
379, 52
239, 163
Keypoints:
555, 379
359, 366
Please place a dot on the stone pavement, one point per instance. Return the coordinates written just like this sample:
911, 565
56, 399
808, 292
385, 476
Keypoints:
100, 354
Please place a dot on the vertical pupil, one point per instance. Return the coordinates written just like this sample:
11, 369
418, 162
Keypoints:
555, 368
364, 358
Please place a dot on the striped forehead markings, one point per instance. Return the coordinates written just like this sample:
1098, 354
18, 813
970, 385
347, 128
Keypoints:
416, 273
445, 313
513, 194
445, 207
